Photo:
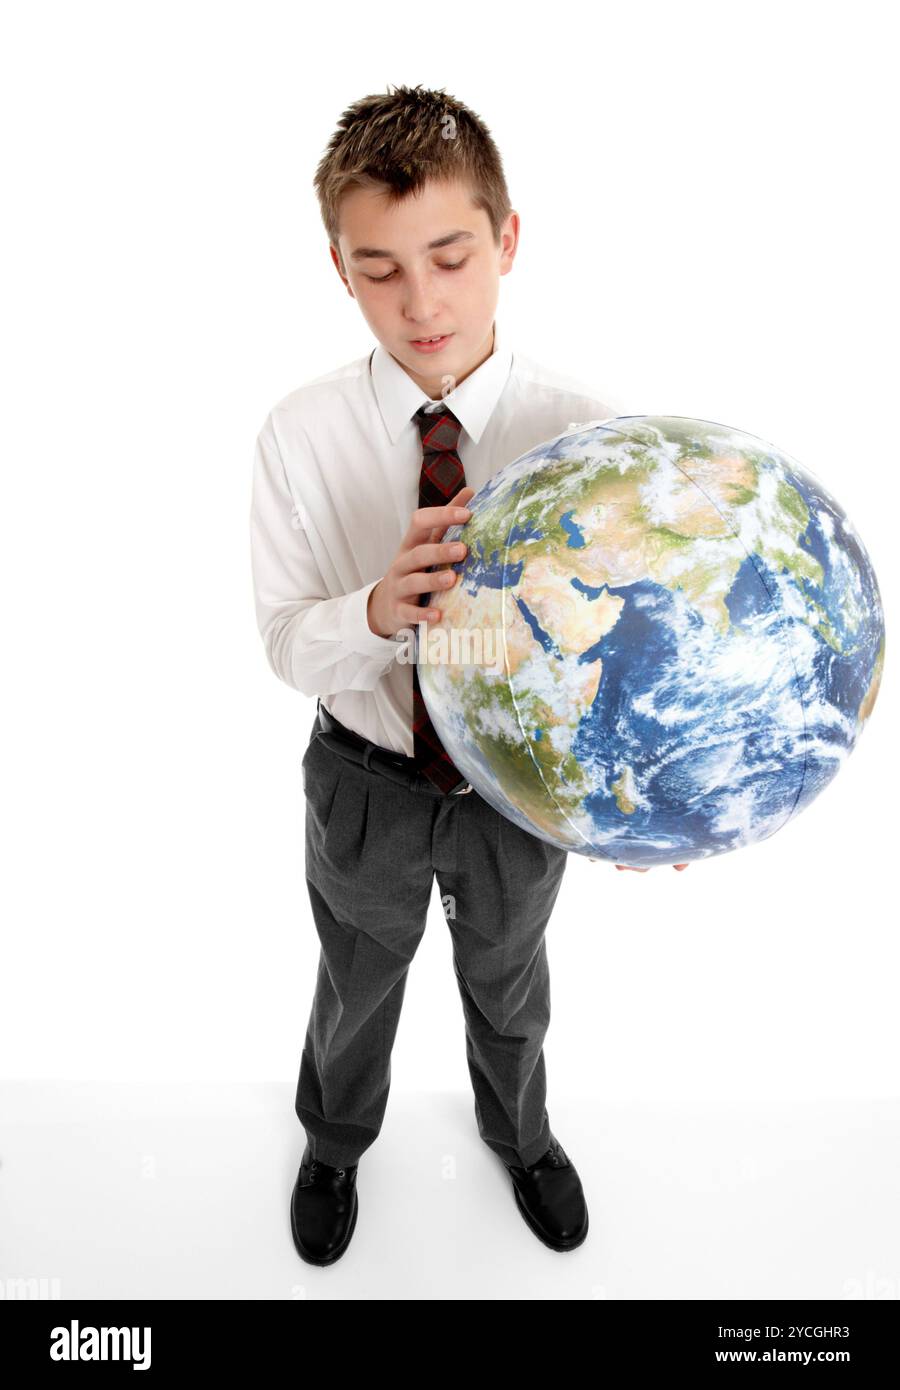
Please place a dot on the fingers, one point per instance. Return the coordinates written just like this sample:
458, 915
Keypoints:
410, 616
418, 583
643, 871
415, 582
430, 553
426, 519
438, 530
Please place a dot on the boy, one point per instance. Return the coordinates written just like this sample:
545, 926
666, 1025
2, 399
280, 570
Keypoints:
357, 475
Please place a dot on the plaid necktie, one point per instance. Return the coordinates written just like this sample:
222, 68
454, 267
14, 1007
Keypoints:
440, 480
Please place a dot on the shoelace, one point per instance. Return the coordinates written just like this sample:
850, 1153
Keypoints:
553, 1155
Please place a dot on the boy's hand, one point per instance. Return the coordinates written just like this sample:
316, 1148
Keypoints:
632, 870
393, 600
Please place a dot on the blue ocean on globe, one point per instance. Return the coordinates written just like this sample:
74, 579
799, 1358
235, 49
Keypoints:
665, 639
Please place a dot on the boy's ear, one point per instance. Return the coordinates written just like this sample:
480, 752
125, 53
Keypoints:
509, 242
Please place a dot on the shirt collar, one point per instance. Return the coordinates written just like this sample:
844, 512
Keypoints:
472, 401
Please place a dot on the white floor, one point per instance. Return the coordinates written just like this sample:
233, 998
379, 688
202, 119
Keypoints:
182, 1192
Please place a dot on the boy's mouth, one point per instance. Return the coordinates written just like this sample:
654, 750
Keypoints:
430, 344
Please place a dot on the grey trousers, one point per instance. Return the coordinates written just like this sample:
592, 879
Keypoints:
373, 849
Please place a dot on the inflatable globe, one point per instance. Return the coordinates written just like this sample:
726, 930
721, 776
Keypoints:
664, 640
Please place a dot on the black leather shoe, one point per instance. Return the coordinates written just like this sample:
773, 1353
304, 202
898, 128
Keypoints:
550, 1197
324, 1206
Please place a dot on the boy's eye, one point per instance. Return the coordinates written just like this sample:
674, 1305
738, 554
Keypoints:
380, 279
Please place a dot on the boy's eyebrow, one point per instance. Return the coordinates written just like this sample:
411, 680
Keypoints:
367, 253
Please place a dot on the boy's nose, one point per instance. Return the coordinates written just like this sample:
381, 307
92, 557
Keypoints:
420, 308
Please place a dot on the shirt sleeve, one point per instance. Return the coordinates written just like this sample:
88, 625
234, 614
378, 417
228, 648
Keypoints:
316, 644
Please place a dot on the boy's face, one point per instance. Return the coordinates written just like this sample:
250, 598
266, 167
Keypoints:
409, 290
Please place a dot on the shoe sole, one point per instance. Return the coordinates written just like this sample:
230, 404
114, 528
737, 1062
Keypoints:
335, 1254
559, 1247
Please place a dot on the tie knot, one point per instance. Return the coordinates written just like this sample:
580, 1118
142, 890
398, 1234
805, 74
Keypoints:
438, 427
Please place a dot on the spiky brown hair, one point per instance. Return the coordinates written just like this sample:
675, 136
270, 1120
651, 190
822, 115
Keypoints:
396, 142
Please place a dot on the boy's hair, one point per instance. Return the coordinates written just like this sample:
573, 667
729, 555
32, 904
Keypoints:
398, 141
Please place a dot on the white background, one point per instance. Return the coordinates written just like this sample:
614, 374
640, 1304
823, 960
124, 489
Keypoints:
707, 196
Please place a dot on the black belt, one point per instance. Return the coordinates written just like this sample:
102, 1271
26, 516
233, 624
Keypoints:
397, 767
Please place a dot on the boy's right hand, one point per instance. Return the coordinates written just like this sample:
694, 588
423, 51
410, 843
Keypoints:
393, 601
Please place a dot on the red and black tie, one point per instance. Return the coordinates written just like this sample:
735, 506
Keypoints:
440, 480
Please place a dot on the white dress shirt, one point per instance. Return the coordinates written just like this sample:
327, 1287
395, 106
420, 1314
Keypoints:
335, 483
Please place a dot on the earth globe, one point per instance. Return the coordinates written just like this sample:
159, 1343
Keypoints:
664, 640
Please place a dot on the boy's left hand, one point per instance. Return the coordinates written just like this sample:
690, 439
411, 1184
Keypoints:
632, 870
